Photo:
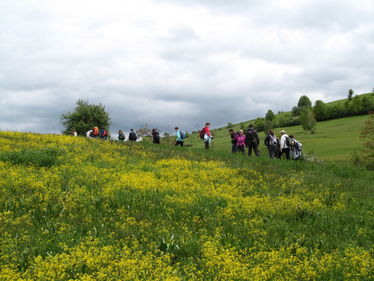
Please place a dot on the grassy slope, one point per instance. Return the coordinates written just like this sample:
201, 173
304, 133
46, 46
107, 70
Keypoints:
156, 210
335, 139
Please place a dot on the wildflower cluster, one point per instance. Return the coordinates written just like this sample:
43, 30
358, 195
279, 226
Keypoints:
84, 209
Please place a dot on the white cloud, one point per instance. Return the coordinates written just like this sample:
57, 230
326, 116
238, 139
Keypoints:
168, 63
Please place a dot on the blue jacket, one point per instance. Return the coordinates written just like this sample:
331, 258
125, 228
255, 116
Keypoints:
178, 135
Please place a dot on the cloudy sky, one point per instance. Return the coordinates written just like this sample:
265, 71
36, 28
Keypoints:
178, 62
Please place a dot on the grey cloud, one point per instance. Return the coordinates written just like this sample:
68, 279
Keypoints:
237, 60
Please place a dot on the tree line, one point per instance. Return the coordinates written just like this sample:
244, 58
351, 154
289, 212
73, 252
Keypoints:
306, 115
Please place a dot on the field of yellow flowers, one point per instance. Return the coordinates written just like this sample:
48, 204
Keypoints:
84, 209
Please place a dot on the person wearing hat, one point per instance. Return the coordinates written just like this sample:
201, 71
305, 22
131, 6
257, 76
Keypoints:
284, 145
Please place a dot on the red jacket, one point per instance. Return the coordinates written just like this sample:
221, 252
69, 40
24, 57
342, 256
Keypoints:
206, 130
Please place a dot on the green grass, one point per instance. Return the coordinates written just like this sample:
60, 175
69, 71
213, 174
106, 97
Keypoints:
335, 140
107, 207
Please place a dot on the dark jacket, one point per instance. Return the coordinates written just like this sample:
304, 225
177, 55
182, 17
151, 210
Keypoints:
251, 137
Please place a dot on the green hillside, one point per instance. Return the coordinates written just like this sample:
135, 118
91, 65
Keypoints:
335, 139
74, 208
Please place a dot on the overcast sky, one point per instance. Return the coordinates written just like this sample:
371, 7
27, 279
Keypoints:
170, 63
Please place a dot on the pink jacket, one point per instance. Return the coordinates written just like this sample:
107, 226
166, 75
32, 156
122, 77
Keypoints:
240, 140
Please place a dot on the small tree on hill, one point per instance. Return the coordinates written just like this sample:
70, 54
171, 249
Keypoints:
304, 102
307, 120
365, 156
145, 132
230, 125
350, 94
270, 116
320, 110
84, 117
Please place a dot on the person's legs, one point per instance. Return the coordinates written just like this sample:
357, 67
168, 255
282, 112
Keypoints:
206, 144
233, 148
255, 149
179, 143
250, 147
287, 152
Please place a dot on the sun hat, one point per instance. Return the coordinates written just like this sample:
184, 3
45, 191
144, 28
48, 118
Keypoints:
282, 132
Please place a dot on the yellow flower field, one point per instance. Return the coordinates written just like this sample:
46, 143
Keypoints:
84, 209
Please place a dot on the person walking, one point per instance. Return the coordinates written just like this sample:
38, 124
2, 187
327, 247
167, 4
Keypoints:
233, 140
155, 136
296, 150
103, 134
121, 136
271, 144
95, 132
285, 144
207, 136
240, 142
179, 139
132, 135
252, 140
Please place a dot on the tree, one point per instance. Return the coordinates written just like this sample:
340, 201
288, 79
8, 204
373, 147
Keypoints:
304, 102
85, 117
320, 110
270, 116
350, 94
230, 125
295, 111
145, 132
308, 120
365, 156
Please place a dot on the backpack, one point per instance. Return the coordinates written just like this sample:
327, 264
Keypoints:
201, 134
250, 136
104, 133
273, 141
95, 131
182, 134
133, 136
289, 142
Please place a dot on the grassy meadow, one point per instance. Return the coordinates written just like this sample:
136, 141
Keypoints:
335, 140
85, 209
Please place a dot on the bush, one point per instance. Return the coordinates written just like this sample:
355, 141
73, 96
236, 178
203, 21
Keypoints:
365, 156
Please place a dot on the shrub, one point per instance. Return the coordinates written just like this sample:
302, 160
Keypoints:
365, 156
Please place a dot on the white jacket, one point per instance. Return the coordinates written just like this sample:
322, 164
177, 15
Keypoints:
283, 143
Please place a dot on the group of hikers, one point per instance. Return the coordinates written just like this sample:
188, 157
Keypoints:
286, 145
204, 134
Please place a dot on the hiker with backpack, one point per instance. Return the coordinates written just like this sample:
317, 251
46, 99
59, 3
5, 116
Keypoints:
233, 140
206, 136
272, 144
296, 149
180, 136
121, 135
155, 136
252, 140
95, 132
240, 142
132, 135
103, 134
285, 145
